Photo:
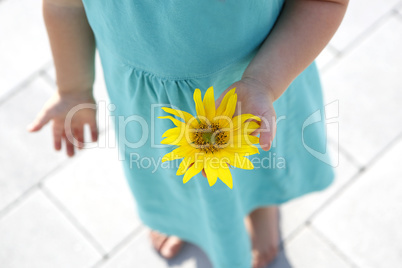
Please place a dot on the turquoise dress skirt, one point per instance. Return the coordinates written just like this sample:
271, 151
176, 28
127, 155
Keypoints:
154, 54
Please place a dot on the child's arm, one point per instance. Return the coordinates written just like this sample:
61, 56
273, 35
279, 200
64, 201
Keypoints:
302, 31
72, 43
73, 49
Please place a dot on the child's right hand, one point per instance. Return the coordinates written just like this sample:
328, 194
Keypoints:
57, 109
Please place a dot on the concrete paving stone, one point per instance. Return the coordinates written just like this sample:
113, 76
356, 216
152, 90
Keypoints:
364, 222
141, 254
24, 45
360, 16
399, 8
93, 188
307, 250
296, 212
36, 235
367, 85
25, 158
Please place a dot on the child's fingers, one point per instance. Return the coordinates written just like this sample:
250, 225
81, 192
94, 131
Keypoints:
57, 137
94, 132
267, 131
69, 147
38, 123
79, 135
68, 143
258, 130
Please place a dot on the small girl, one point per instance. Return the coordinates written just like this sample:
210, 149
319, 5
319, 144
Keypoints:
156, 53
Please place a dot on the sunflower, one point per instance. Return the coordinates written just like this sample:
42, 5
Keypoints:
212, 140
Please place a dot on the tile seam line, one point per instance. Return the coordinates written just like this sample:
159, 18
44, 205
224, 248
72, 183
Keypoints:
38, 187
397, 14
123, 244
348, 155
126, 240
49, 79
16, 201
25, 194
308, 220
73, 220
359, 39
20, 199
383, 151
333, 50
354, 178
293, 234
332, 246
23, 85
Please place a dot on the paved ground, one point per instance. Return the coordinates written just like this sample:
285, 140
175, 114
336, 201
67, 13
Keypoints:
49, 204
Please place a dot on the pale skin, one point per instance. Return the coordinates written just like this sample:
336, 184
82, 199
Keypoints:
73, 49
302, 31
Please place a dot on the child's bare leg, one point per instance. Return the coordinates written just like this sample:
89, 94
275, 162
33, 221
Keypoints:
167, 246
262, 225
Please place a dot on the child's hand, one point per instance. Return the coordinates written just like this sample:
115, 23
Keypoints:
57, 108
253, 97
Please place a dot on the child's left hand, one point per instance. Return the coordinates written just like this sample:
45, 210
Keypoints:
253, 97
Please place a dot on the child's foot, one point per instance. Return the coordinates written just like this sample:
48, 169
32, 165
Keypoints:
167, 246
262, 225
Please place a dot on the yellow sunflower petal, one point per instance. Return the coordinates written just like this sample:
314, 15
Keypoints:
231, 106
199, 106
178, 153
188, 118
222, 106
177, 123
251, 127
225, 122
174, 140
209, 104
187, 161
191, 172
211, 172
176, 131
245, 139
244, 149
171, 156
240, 119
174, 136
241, 162
225, 176
224, 155
253, 139
186, 149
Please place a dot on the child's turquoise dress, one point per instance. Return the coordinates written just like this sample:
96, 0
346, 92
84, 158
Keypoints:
155, 53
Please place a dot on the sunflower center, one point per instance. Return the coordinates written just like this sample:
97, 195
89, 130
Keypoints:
209, 138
